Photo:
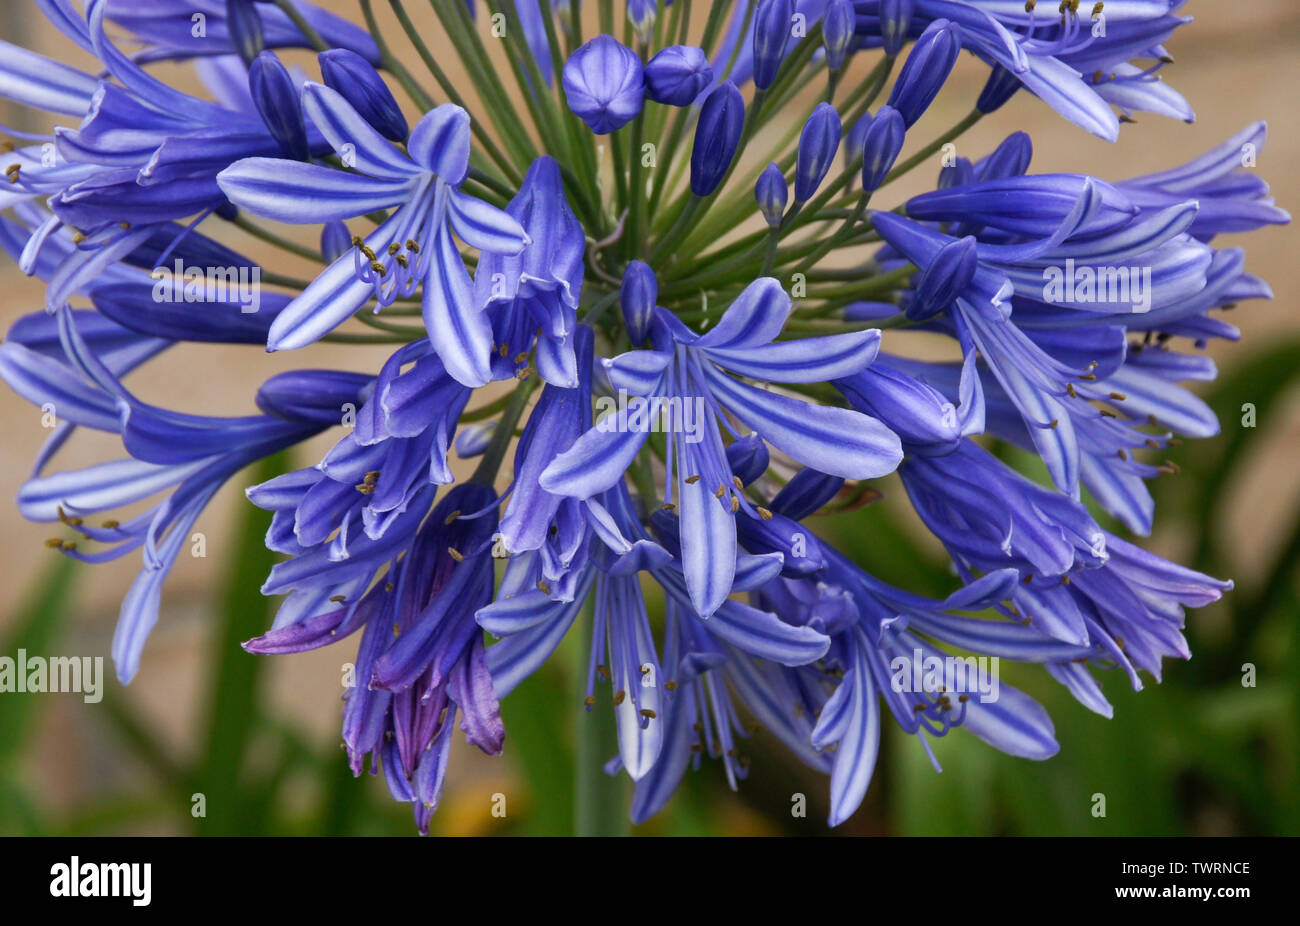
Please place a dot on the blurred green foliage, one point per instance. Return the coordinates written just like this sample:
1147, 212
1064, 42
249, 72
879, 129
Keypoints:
1198, 753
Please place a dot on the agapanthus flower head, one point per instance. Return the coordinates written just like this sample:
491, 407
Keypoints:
656, 384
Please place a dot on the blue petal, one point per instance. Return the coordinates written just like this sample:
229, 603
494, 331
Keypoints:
352, 137
440, 142
708, 533
298, 193
833, 440
810, 360
458, 329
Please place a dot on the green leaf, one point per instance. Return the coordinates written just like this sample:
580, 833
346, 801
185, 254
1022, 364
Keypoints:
39, 625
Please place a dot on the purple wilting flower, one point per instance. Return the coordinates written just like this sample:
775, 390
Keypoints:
682, 442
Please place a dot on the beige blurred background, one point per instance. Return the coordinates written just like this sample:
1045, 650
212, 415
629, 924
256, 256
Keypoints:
1236, 63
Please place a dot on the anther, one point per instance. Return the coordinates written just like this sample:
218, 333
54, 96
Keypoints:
456, 554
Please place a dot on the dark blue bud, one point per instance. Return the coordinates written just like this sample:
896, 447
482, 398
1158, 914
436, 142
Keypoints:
854, 142
895, 17
1009, 159
313, 396
637, 298
604, 84
837, 31
880, 146
277, 99
944, 280
925, 70
772, 23
717, 133
335, 240
748, 458
999, 88
818, 142
677, 75
641, 14
245, 25
808, 491
772, 194
360, 84
959, 173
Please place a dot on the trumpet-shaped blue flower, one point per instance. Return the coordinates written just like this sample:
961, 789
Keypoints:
412, 248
